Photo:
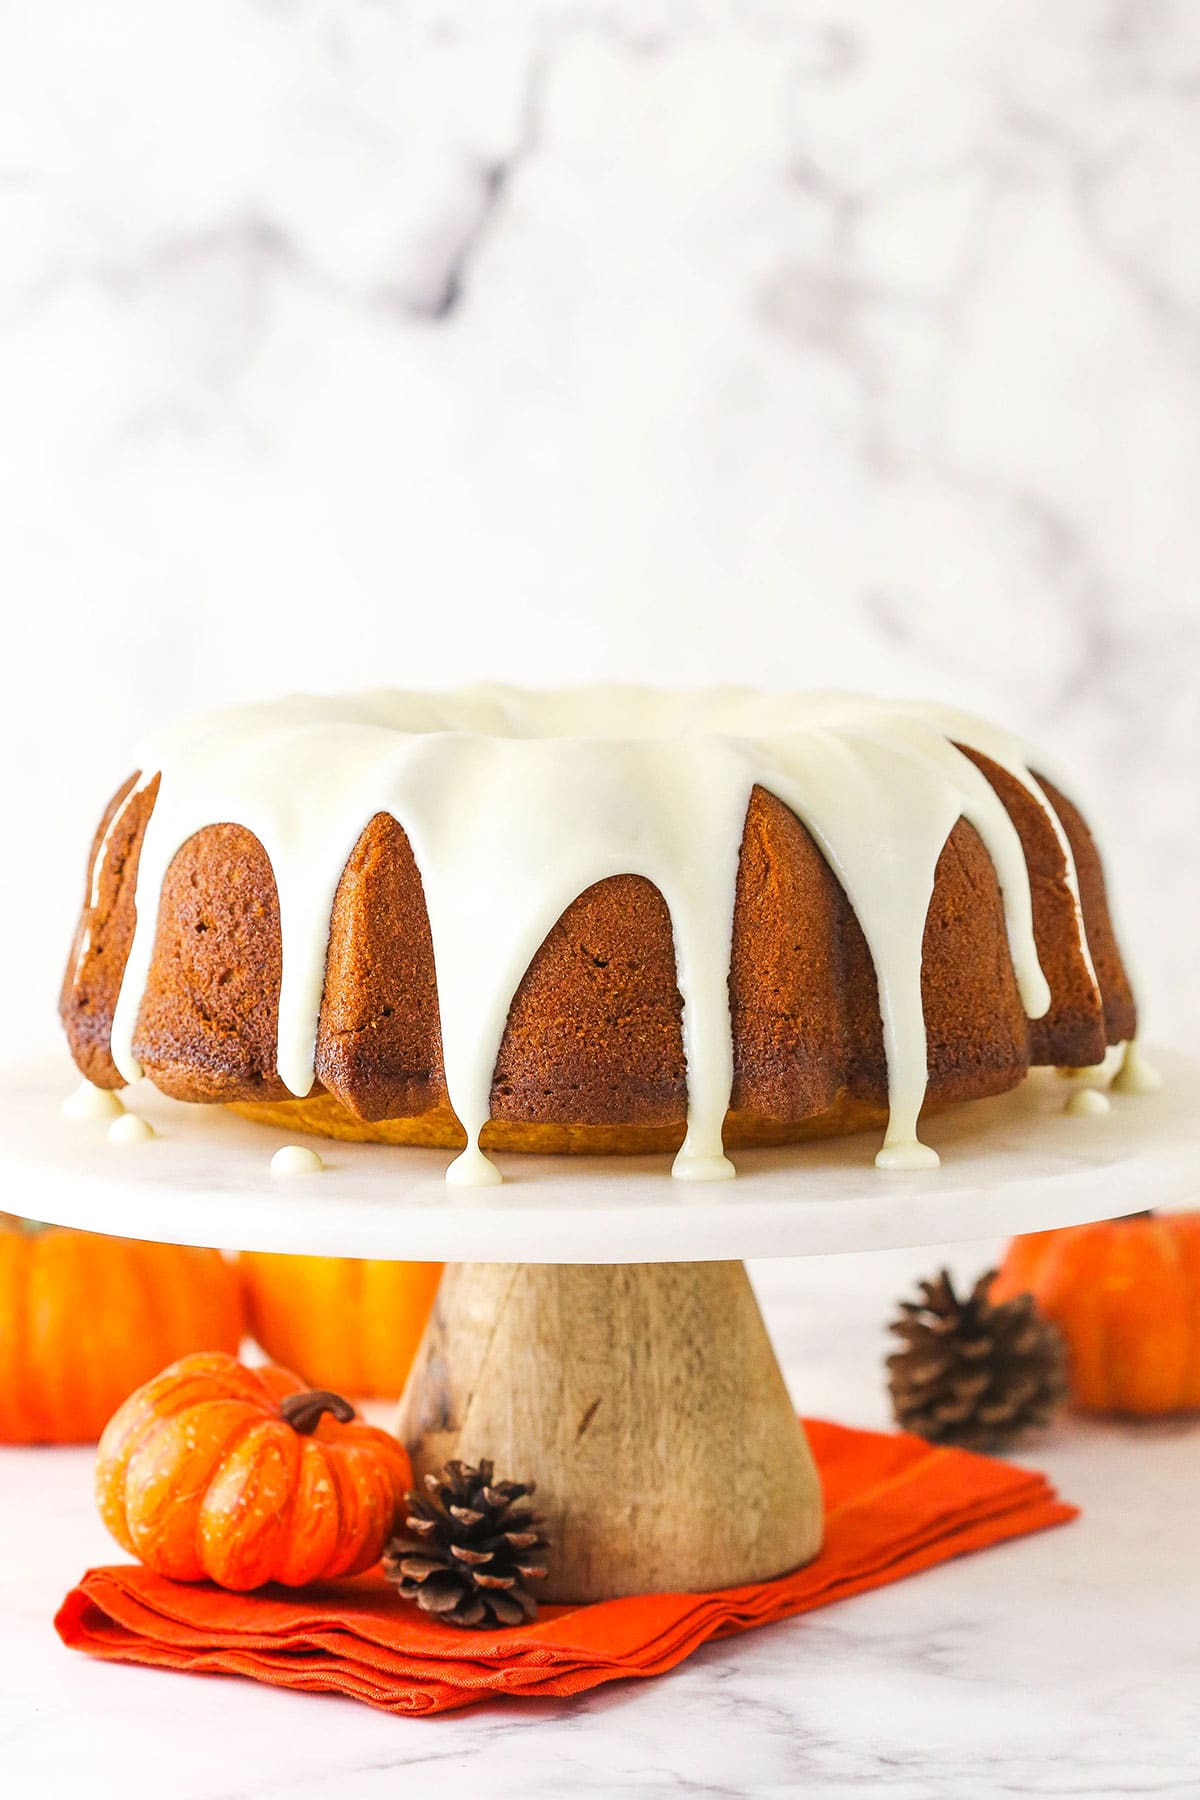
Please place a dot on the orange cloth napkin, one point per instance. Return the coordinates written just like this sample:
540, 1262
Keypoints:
894, 1506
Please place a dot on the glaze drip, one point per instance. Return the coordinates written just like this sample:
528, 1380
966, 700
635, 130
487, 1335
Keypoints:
296, 1159
88, 1102
130, 1128
1137, 1074
1087, 1103
515, 802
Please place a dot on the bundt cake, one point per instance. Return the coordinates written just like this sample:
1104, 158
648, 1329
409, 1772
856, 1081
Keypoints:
603, 919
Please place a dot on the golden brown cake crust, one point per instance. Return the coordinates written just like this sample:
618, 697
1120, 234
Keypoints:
438, 1128
1072, 1033
100, 947
592, 1053
1120, 1012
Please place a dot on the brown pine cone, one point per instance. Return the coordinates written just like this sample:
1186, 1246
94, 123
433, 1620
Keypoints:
470, 1546
971, 1373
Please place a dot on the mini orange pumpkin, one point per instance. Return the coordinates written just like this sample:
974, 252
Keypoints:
245, 1476
340, 1322
1126, 1293
84, 1319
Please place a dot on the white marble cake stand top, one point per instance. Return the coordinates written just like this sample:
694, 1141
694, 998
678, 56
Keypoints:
1013, 1164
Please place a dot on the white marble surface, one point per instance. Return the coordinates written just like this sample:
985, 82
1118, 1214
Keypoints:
1062, 1664
805, 342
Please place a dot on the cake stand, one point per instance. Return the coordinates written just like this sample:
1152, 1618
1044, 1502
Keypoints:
596, 1329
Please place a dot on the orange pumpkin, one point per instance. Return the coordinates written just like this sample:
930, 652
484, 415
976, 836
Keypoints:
340, 1322
244, 1476
1126, 1293
84, 1319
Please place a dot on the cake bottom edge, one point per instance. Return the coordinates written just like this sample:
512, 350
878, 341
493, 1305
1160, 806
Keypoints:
438, 1128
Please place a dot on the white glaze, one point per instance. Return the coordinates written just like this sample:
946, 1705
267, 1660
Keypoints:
1137, 1074
507, 829
907, 1156
296, 1159
130, 1128
91, 1102
1087, 1103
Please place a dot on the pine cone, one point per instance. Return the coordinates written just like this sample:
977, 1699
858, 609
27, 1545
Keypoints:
971, 1373
471, 1545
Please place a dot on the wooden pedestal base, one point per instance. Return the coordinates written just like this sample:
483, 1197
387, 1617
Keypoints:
646, 1402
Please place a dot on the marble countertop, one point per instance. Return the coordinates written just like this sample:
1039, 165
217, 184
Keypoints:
1063, 1664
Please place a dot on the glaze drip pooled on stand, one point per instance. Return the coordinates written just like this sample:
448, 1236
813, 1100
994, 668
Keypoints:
88, 1102
512, 805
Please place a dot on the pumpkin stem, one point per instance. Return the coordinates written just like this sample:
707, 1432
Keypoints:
303, 1412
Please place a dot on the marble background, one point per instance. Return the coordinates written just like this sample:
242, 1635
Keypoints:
796, 343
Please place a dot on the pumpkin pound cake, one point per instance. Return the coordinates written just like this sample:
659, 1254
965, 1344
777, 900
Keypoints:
600, 919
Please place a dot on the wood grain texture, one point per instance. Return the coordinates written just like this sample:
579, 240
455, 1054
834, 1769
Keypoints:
646, 1402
